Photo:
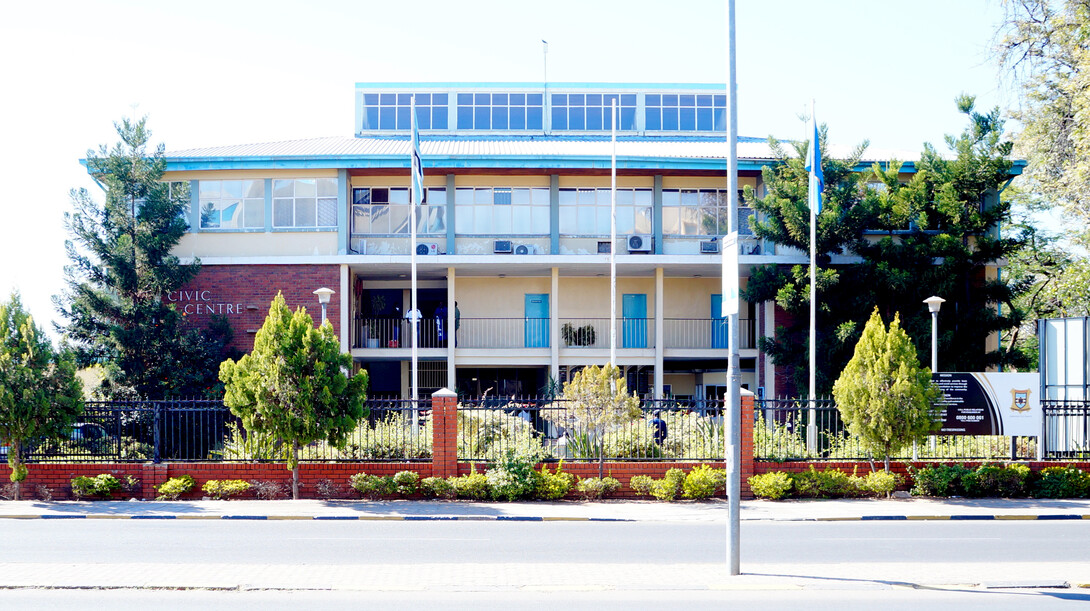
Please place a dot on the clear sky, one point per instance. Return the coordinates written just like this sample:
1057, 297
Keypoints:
231, 72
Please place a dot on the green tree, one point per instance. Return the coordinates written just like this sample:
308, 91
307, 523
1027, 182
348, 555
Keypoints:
883, 395
598, 398
1043, 45
40, 395
934, 234
121, 266
293, 386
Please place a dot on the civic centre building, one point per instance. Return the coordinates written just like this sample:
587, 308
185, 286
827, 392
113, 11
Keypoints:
513, 238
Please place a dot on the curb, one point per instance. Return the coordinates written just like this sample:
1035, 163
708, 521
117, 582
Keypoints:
471, 518
950, 518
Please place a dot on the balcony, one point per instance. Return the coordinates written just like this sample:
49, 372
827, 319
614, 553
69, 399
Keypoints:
575, 333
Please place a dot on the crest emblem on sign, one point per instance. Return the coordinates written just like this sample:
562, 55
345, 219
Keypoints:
1020, 400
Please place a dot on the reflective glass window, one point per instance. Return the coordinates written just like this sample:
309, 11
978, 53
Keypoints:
386, 211
231, 204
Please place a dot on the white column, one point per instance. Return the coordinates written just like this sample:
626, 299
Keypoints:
554, 324
452, 296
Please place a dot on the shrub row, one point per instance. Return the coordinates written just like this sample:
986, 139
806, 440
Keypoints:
827, 484
512, 479
987, 480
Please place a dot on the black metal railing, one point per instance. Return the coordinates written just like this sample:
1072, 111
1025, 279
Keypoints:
200, 430
782, 432
1066, 428
556, 429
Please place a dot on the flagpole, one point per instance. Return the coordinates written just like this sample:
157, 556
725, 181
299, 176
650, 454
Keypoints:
613, 237
814, 202
413, 203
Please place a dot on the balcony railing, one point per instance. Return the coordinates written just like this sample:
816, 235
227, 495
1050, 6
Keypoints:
575, 333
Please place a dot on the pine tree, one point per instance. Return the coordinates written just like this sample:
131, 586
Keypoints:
40, 395
292, 386
121, 266
883, 395
934, 234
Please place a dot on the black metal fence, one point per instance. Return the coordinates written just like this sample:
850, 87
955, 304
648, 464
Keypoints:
782, 432
553, 428
556, 429
1067, 428
199, 430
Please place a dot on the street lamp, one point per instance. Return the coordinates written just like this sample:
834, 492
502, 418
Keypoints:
323, 298
933, 305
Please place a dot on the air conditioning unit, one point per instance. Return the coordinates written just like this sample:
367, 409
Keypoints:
501, 246
604, 248
526, 249
427, 249
639, 243
709, 246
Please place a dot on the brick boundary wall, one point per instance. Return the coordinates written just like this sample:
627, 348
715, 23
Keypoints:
57, 476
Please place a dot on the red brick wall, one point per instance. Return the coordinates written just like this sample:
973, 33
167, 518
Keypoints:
250, 289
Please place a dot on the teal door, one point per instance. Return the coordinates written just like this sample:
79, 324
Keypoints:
537, 320
634, 323
720, 333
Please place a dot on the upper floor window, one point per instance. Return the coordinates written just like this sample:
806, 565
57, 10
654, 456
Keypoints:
386, 211
698, 212
232, 204
592, 111
305, 202
388, 111
587, 211
686, 112
500, 111
502, 211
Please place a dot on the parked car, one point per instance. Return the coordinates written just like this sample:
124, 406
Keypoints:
86, 431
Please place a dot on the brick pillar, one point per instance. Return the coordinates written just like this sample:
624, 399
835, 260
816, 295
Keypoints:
444, 433
151, 475
746, 465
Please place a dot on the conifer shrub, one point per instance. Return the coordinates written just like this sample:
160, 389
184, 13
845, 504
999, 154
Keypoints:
553, 486
175, 487
703, 482
407, 482
373, 486
225, 488
881, 483
473, 486
669, 487
939, 480
1003, 481
1064, 482
641, 484
102, 485
594, 488
437, 488
774, 485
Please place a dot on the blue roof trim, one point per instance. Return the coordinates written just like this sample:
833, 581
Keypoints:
542, 85
399, 162
478, 136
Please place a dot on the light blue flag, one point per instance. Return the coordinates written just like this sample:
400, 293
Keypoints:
813, 166
417, 168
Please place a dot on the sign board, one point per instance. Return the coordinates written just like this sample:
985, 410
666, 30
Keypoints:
730, 274
989, 404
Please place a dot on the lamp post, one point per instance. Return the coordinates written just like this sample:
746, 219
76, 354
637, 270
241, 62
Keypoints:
323, 298
933, 305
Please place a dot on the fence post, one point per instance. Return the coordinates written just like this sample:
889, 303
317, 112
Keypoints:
747, 462
444, 440
156, 420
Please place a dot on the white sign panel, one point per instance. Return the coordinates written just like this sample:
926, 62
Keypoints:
989, 404
730, 274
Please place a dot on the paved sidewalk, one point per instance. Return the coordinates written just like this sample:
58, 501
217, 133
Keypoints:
850, 509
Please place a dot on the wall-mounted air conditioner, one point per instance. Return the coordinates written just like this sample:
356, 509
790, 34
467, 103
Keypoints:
427, 249
604, 248
639, 243
502, 247
526, 249
709, 246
